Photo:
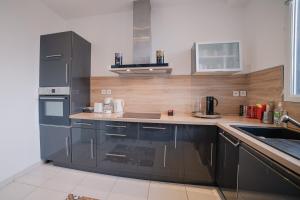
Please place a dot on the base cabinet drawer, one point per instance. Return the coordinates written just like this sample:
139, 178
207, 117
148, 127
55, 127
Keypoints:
84, 147
116, 148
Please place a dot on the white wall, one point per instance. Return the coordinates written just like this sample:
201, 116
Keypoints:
22, 22
266, 33
174, 29
261, 26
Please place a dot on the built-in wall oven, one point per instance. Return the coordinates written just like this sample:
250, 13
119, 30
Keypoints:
54, 106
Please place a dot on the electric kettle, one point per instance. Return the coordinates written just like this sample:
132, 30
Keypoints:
210, 105
118, 105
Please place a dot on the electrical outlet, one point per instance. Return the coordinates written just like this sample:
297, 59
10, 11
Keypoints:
236, 93
108, 91
243, 93
103, 92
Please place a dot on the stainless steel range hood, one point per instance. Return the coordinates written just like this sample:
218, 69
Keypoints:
142, 45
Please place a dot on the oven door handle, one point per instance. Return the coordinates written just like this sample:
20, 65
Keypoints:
53, 98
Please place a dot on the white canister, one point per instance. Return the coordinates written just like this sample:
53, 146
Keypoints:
98, 107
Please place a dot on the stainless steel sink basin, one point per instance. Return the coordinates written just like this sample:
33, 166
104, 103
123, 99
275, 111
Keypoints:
270, 132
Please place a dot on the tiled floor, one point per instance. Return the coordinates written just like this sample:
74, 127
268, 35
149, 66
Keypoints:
47, 182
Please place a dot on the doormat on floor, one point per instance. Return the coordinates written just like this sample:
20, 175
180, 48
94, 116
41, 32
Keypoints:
73, 197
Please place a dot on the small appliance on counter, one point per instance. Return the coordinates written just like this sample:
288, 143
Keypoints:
108, 105
98, 107
118, 105
209, 108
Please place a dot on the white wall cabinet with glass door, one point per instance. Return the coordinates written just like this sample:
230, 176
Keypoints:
216, 58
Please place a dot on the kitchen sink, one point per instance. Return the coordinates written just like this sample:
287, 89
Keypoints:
283, 139
270, 132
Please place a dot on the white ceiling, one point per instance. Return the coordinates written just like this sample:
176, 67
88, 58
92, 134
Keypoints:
69, 9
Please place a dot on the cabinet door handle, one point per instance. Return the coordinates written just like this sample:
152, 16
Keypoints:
234, 144
155, 128
67, 71
165, 155
116, 135
92, 149
115, 126
67, 145
116, 155
54, 55
225, 155
82, 123
237, 181
175, 141
211, 153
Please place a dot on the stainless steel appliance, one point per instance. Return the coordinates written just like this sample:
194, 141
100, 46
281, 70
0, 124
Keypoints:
54, 110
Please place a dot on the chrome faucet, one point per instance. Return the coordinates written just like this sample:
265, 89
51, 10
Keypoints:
286, 119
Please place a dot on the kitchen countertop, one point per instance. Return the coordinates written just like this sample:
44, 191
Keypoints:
224, 123
177, 119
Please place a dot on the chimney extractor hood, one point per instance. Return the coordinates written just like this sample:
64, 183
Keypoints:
142, 45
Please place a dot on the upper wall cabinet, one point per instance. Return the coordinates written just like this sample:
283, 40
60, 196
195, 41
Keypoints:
216, 58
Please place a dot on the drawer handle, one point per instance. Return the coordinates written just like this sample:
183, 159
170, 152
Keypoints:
84, 124
115, 126
54, 55
92, 149
67, 146
165, 155
234, 144
116, 155
116, 135
211, 153
154, 128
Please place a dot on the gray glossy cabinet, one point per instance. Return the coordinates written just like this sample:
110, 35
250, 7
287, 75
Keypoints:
84, 147
227, 165
160, 152
164, 152
116, 148
199, 153
55, 144
260, 178
55, 59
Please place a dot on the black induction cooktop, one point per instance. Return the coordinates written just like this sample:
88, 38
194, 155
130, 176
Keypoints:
142, 115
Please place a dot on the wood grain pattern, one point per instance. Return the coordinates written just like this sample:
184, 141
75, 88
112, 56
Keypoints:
174, 92
180, 92
265, 85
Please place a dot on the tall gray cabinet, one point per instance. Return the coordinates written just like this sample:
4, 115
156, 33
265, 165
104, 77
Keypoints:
65, 68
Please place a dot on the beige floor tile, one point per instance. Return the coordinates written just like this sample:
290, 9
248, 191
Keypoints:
44, 171
130, 189
202, 192
96, 186
43, 194
32, 180
167, 191
16, 191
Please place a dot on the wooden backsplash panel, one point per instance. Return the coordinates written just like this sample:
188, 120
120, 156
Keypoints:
268, 85
175, 92
265, 85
